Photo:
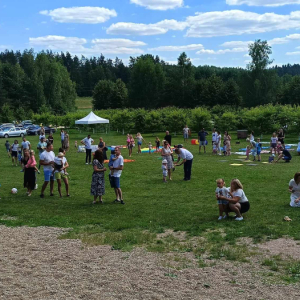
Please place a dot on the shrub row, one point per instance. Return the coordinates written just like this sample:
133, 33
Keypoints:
261, 119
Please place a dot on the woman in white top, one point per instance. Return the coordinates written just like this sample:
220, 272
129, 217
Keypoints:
139, 142
294, 188
238, 201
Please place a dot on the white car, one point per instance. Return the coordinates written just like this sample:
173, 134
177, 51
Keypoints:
8, 132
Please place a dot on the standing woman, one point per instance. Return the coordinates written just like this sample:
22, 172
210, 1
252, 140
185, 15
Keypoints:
66, 142
98, 181
24, 162
29, 173
131, 144
139, 142
166, 153
14, 152
281, 136
227, 139
102, 147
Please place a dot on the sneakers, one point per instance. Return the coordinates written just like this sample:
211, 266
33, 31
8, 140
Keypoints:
86, 163
22, 171
36, 187
122, 202
116, 201
224, 217
239, 219
220, 218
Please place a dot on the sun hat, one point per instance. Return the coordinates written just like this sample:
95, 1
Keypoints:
60, 154
164, 161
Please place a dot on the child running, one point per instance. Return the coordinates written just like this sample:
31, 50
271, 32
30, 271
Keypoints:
165, 170
221, 190
157, 144
7, 146
273, 143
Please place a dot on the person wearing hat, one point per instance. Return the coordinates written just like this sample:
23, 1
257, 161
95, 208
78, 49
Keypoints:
60, 165
165, 169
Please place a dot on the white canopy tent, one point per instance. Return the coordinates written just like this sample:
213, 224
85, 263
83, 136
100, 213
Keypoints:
90, 119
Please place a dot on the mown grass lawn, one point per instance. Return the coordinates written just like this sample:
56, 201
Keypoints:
152, 206
84, 103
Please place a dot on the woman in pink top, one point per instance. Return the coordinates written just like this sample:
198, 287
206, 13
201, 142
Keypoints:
29, 173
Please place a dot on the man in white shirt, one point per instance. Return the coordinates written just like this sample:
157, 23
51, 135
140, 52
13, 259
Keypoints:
117, 168
187, 161
25, 145
87, 142
47, 160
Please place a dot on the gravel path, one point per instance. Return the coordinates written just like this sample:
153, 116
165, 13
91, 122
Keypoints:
35, 264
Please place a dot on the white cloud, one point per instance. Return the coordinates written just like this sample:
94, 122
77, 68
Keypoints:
161, 27
159, 4
214, 52
178, 48
75, 45
172, 62
85, 15
238, 22
284, 40
236, 44
293, 53
262, 2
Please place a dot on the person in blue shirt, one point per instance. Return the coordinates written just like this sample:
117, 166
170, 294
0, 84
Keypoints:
202, 139
258, 146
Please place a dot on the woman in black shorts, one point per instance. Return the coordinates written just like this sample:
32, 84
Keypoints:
14, 152
238, 201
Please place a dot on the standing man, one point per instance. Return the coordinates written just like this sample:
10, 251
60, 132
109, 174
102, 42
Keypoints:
202, 139
88, 141
116, 171
187, 160
47, 160
168, 138
25, 145
214, 137
186, 132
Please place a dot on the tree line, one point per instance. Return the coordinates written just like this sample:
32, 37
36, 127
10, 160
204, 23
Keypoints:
49, 81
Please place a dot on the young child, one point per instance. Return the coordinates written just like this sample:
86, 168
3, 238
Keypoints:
258, 149
248, 150
157, 144
111, 161
58, 164
273, 143
214, 150
76, 144
279, 148
221, 190
7, 146
150, 147
20, 157
253, 151
165, 170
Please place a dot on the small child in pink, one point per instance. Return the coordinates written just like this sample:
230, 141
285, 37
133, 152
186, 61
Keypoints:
248, 150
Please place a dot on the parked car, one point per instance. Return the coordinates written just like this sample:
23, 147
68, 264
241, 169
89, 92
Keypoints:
9, 132
7, 125
36, 130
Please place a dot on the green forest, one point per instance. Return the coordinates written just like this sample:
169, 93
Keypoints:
48, 82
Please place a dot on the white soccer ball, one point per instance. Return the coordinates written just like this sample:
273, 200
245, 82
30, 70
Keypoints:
14, 190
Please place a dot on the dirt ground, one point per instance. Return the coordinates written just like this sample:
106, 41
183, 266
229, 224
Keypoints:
35, 264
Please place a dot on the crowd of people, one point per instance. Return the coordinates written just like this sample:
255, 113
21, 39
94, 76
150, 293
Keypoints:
232, 199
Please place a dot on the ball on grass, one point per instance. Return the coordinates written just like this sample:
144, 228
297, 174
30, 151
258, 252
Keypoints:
14, 190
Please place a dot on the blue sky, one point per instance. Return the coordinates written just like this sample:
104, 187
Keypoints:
214, 32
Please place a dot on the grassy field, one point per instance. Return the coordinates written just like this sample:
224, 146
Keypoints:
84, 103
151, 206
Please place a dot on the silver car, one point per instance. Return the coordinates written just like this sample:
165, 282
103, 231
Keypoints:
8, 132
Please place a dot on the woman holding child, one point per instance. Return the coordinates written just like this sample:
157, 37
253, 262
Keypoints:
166, 153
60, 172
238, 202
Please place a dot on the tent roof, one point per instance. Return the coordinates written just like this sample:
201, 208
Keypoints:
91, 118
